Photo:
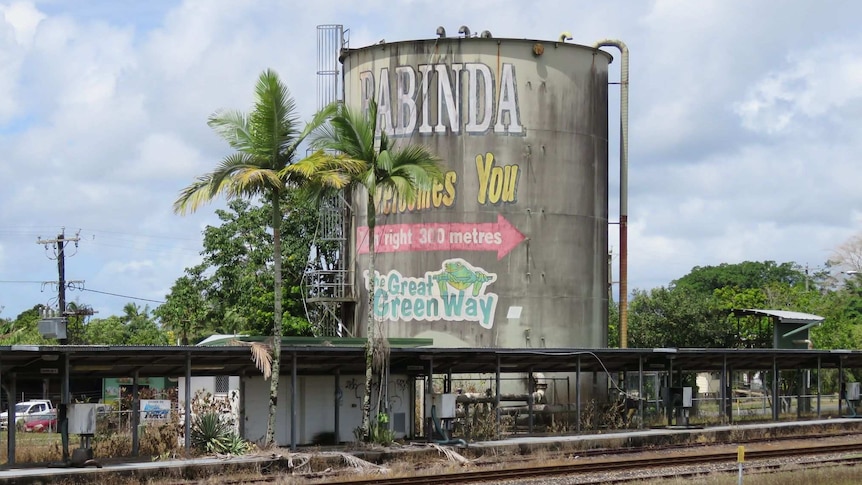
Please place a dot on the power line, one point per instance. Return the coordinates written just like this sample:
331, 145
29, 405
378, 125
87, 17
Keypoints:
122, 296
87, 289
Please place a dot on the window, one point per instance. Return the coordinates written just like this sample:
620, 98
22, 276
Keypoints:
222, 384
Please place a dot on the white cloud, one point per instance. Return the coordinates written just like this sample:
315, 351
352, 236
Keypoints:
818, 84
23, 18
18, 22
164, 156
744, 141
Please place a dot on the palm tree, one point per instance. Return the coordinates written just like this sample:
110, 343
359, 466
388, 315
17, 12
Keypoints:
266, 140
132, 311
353, 153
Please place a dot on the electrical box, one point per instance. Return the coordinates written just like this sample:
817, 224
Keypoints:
82, 418
53, 328
687, 397
852, 391
678, 397
444, 405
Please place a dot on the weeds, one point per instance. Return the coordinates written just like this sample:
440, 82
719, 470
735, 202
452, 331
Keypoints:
380, 432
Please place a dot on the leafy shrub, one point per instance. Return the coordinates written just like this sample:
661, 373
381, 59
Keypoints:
236, 445
161, 438
380, 432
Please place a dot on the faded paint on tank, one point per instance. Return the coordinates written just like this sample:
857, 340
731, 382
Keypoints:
511, 249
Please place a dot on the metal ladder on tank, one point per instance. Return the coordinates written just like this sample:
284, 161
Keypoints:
327, 282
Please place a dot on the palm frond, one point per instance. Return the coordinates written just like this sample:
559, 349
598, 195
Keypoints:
237, 175
350, 132
319, 121
232, 126
260, 354
274, 119
384, 161
252, 182
195, 195
402, 186
418, 156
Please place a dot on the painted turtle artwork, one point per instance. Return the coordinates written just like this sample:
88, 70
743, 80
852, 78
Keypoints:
457, 275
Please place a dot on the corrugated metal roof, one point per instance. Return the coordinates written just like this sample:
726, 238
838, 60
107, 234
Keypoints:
109, 361
783, 316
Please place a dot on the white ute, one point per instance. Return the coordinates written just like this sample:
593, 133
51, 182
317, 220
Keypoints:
28, 411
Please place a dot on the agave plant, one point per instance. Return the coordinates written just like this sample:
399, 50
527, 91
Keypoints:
210, 434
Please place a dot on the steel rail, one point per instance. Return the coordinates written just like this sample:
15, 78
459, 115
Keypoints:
598, 466
591, 465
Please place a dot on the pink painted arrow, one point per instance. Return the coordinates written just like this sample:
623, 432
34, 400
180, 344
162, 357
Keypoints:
500, 236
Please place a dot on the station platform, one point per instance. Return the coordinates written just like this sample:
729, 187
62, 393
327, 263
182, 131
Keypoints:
279, 459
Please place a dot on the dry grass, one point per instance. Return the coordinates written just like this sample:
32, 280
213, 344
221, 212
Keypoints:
34, 447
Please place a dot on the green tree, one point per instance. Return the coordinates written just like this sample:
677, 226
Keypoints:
25, 329
231, 290
107, 331
237, 254
76, 322
664, 317
266, 140
363, 156
748, 274
613, 325
142, 329
184, 310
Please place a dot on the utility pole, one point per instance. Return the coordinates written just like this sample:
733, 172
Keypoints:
59, 245
60, 253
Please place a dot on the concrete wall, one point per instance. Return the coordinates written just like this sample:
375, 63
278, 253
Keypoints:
205, 384
316, 400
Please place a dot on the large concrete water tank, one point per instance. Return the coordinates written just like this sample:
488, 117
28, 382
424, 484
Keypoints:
511, 249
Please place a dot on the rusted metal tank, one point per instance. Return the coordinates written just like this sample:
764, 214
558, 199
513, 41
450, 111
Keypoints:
510, 250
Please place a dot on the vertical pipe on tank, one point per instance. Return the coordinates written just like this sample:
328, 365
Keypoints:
624, 182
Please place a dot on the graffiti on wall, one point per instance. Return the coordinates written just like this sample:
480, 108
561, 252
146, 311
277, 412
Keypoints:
456, 292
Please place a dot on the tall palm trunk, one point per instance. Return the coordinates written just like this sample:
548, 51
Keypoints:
369, 329
276, 329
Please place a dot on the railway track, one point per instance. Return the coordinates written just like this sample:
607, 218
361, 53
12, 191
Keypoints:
618, 463
600, 466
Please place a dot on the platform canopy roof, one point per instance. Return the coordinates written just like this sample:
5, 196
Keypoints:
31, 361
782, 316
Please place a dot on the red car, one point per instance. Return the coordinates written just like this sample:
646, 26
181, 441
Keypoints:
41, 425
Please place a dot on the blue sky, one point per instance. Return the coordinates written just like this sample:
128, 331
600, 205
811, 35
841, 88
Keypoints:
745, 133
